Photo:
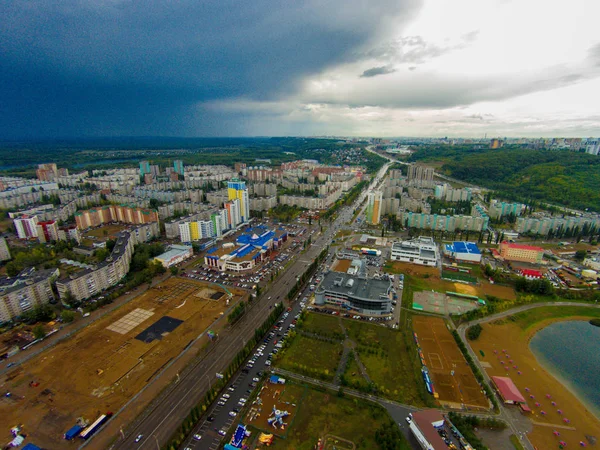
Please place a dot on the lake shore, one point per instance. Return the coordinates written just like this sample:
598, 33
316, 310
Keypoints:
537, 380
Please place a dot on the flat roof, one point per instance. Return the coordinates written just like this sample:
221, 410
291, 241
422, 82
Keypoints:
174, 250
508, 390
363, 288
463, 247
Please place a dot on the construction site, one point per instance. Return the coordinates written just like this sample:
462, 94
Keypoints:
100, 368
453, 382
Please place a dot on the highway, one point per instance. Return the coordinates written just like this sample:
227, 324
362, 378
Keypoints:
157, 423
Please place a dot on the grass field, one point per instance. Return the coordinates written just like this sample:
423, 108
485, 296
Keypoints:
323, 325
528, 319
353, 374
312, 357
322, 413
388, 361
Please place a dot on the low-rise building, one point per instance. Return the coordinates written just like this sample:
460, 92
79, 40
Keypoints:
358, 294
174, 255
424, 426
422, 250
24, 292
463, 251
522, 253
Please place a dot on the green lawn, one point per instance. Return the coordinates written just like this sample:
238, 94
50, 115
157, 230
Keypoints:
311, 357
529, 318
323, 325
389, 360
322, 413
353, 375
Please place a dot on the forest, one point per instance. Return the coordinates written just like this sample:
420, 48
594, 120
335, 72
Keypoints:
559, 177
21, 158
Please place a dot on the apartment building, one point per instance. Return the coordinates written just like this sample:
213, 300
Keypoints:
499, 209
420, 176
26, 226
443, 222
47, 231
24, 292
4, 250
114, 213
374, 199
544, 225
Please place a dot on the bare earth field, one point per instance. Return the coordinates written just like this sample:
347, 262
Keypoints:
443, 357
535, 380
104, 365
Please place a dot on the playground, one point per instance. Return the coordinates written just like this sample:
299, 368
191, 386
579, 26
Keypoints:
110, 360
316, 419
452, 377
556, 412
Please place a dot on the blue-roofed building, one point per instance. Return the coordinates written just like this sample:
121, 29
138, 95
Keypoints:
463, 251
251, 247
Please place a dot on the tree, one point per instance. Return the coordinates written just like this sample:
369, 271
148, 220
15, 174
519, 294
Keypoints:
39, 332
474, 332
174, 270
580, 255
67, 316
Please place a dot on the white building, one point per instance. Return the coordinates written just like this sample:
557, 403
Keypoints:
417, 251
4, 250
175, 255
26, 227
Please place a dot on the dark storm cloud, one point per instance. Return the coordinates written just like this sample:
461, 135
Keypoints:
122, 67
373, 72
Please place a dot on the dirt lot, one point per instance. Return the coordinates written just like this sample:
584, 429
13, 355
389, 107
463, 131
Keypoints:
342, 265
443, 357
429, 278
100, 368
535, 380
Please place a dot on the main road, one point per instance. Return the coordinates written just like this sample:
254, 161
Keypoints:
160, 420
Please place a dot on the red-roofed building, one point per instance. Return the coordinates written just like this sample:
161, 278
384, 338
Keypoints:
522, 253
423, 427
508, 390
531, 274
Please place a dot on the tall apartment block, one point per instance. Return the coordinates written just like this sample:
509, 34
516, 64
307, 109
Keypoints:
237, 189
374, 207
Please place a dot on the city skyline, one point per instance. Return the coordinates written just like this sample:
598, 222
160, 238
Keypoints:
390, 68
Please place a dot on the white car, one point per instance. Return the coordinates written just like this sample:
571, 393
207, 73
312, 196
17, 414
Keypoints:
226, 396
139, 438
232, 413
197, 437
222, 432
256, 379
267, 363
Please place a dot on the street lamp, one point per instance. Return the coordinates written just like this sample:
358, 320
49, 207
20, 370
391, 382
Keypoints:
156, 439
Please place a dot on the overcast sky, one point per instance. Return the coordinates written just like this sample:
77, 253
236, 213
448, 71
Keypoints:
314, 67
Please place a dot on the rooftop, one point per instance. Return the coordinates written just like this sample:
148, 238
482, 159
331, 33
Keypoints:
463, 247
521, 246
424, 421
508, 389
356, 287
174, 250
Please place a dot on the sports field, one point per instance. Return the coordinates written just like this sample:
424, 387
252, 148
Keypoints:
452, 377
104, 365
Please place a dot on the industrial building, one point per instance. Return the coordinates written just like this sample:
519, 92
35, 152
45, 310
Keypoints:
174, 255
24, 292
417, 251
358, 294
522, 253
463, 251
